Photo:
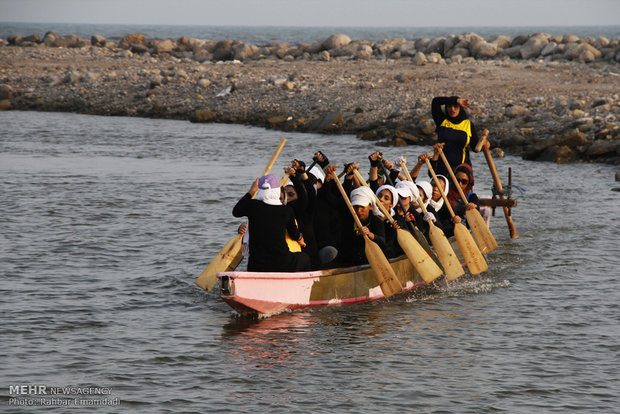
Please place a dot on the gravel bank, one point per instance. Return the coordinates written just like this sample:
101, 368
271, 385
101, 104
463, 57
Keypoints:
549, 110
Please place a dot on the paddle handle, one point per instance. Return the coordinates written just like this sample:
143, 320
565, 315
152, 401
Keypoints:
358, 223
498, 185
381, 206
275, 156
284, 180
445, 198
451, 172
406, 170
482, 140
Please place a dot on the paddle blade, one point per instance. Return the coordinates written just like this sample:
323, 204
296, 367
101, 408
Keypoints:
474, 259
227, 259
390, 285
447, 257
482, 234
423, 263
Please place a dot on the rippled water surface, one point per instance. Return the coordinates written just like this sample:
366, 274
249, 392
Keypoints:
105, 223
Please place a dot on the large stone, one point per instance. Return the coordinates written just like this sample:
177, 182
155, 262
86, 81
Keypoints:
6, 92
164, 46
203, 116
603, 147
130, 39
336, 40
485, 50
427, 127
501, 41
223, 50
532, 48
50, 38
244, 51
98, 40
549, 49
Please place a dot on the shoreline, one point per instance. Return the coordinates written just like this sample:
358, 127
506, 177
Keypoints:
546, 109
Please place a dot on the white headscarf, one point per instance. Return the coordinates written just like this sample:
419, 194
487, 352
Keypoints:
269, 190
438, 204
408, 189
394, 192
363, 196
428, 191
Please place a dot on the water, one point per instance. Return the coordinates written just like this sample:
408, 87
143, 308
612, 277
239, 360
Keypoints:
261, 35
105, 223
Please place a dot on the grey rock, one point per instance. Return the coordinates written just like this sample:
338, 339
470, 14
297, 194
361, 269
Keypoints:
533, 47
98, 40
336, 40
6, 92
419, 59
485, 50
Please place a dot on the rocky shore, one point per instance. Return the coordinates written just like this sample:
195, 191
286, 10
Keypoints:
542, 97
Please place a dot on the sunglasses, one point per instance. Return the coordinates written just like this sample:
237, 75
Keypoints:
462, 180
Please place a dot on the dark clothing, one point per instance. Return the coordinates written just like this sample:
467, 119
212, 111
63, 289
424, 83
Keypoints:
457, 133
352, 251
392, 247
443, 219
326, 216
304, 216
459, 206
268, 225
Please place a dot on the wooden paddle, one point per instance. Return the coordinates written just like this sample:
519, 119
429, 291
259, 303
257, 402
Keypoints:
229, 257
498, 184
420, 259
419, 236
474, 259
388, 281
480, 230
447, 257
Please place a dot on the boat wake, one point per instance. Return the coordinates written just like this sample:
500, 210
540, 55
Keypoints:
464, 286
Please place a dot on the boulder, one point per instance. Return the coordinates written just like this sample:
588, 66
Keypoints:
130, 39
534, 46
242, 51
336, 40
570, 38
68, 41
419, 59
164, 46
549, 49
50, 38
5, 105
203, 116
98, 40
364, 52
427, 127
485, 50
6, 92
519, 40
407, 49
436, 46
386, 46
501, 41
223, 50
513, 52
603, 147
559, 154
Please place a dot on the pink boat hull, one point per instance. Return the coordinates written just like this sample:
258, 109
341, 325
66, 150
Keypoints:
252, 293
